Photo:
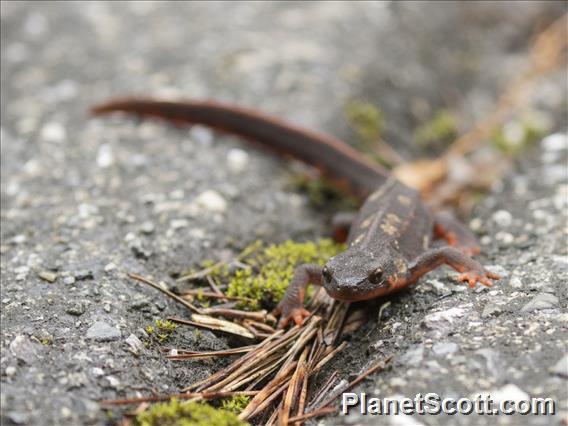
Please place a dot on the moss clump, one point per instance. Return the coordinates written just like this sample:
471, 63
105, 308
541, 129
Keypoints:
322, 193
176, 413
441, 130
270, 270
517, 135
366, 120
236, 404
162, 330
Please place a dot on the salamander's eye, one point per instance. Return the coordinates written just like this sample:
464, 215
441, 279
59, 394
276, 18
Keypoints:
376, 276
326, 273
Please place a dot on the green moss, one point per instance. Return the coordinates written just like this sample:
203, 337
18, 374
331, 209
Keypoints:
270, 270
322, 193
440, 130
236, 404
516, 136
366, 120
162, 330
178, 413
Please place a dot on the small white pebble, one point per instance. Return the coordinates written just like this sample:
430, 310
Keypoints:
69, 280
237, 160
110, 267
177, 194
19, 239
555, 142
212, 201
105, 156
97, 372
502, 218
179, 223
10, 371
53, 132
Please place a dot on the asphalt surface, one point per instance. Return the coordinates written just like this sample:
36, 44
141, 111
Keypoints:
86, 201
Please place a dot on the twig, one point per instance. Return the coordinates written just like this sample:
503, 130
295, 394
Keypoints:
326, 359
325, 388
289, 398
379, 366
235, 313
319, 412
267, 391
210, 354
165, 291
212, 295
211, 323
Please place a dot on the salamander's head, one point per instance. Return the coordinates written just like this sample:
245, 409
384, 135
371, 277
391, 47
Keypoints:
355, 275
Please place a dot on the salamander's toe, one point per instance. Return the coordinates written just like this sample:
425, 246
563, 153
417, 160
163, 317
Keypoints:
295, 314
474, 277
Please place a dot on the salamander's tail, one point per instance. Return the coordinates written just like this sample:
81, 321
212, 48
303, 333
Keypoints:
337, 160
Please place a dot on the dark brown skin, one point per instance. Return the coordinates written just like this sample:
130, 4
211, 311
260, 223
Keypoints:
389, 239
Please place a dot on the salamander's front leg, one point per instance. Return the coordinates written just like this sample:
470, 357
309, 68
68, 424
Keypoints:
455, 233
471, 271
341, 223
291, 307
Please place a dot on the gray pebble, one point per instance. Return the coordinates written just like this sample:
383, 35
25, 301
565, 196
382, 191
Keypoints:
75, 308
47, 276
445, 348
561, 367
135, 344
102, 332
491, 309
24, 349
69, 280
147, 228
541, 301
502, 218
413, 357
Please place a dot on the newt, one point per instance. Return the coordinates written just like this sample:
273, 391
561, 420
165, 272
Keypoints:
389, 240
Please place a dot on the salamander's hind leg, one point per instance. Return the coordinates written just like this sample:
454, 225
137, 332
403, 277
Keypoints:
472, 271
291, 307
455, 233
341, 223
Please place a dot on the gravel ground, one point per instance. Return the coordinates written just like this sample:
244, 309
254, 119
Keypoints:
86, 201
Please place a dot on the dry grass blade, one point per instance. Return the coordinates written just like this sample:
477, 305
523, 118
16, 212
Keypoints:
303, 395
291, 393
328, 357
221, 374
320, 412
333, 327
323, 391
165, 291
211, 323
267, 391
211, 354
379, 366
257, 357
235, 313
209, 294
266, 403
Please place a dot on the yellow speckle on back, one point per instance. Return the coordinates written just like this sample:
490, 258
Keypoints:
425, 242
404, 200
390, 223
366, 222
400, 265
358, 239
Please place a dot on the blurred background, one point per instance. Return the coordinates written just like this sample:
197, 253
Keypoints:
83, 201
